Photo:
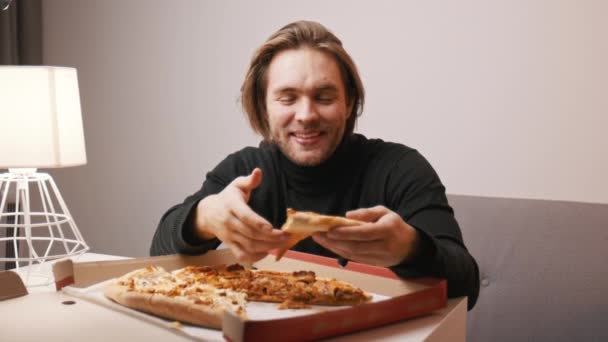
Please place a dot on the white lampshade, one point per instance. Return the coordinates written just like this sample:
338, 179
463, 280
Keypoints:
40, 118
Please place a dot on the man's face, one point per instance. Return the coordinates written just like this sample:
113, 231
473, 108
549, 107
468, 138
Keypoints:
306, 105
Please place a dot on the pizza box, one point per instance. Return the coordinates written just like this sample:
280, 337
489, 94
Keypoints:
401, 299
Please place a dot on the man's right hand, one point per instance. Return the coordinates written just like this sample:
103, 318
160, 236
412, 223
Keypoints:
228, 217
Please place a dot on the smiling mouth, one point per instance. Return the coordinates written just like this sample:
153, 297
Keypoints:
307, 138
306, 135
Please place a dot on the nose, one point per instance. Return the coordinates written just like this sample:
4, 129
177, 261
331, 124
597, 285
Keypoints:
306, 111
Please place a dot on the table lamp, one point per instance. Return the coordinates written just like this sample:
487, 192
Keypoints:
40, 127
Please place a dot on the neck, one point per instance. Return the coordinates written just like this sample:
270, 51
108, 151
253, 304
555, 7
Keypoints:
321, 176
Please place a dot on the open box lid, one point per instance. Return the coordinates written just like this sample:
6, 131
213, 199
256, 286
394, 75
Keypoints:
12, 285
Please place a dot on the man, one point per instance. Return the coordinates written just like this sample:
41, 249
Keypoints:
303, 94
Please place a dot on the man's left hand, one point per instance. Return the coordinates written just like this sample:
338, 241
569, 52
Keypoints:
385, 240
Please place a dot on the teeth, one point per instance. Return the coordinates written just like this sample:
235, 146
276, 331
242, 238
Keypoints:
307, 135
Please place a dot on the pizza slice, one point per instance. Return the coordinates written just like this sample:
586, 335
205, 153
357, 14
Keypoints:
299, 289
291, 289
156, 291
302, 224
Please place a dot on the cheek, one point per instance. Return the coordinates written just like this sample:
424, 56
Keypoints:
279, 117
335, 113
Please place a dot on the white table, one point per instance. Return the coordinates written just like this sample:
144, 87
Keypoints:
42, 316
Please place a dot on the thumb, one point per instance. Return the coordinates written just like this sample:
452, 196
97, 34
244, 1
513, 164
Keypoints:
250, 182
368, 214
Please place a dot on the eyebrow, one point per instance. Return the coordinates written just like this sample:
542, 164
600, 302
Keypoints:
322, 88
283, 90
330, 88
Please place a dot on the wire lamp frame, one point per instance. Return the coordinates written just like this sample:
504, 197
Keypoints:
33, 236
41, 124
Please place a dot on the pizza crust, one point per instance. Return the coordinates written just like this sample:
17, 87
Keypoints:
156, 291
302, 224
171, 308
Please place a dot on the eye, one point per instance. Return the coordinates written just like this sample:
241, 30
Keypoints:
287, 99
325, 99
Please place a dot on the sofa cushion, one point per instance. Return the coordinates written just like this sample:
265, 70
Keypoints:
543, 268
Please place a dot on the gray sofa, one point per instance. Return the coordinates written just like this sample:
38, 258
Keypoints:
543, 268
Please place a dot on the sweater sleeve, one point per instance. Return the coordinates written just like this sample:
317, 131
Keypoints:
421, 200
175, 231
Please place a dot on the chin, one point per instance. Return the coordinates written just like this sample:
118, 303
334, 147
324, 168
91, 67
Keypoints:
308, 161
306, 158
303, 156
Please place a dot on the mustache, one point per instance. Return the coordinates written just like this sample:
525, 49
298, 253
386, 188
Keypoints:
310, 127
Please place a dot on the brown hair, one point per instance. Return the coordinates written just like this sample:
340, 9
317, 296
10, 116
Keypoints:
292, 36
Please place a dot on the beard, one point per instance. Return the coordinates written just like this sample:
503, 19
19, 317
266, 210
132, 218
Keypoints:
313, 155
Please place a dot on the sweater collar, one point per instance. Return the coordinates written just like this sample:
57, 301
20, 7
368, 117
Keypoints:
322, 177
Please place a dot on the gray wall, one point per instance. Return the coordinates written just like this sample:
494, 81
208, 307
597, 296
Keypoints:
505, 98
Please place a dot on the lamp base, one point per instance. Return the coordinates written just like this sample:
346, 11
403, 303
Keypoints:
36, 227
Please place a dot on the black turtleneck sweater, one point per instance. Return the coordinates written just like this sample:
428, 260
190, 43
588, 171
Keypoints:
361, 173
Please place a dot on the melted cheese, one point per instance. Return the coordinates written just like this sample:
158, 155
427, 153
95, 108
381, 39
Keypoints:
182, 285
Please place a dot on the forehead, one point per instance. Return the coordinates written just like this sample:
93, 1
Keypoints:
303, 69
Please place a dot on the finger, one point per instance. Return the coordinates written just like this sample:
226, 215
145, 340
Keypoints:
368, 214
360, 252
242, 256
365, 232
253, 245
250, 182
354, 247
237, 251
254, 226
257, 256
322, 240
270, 235
243, 212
